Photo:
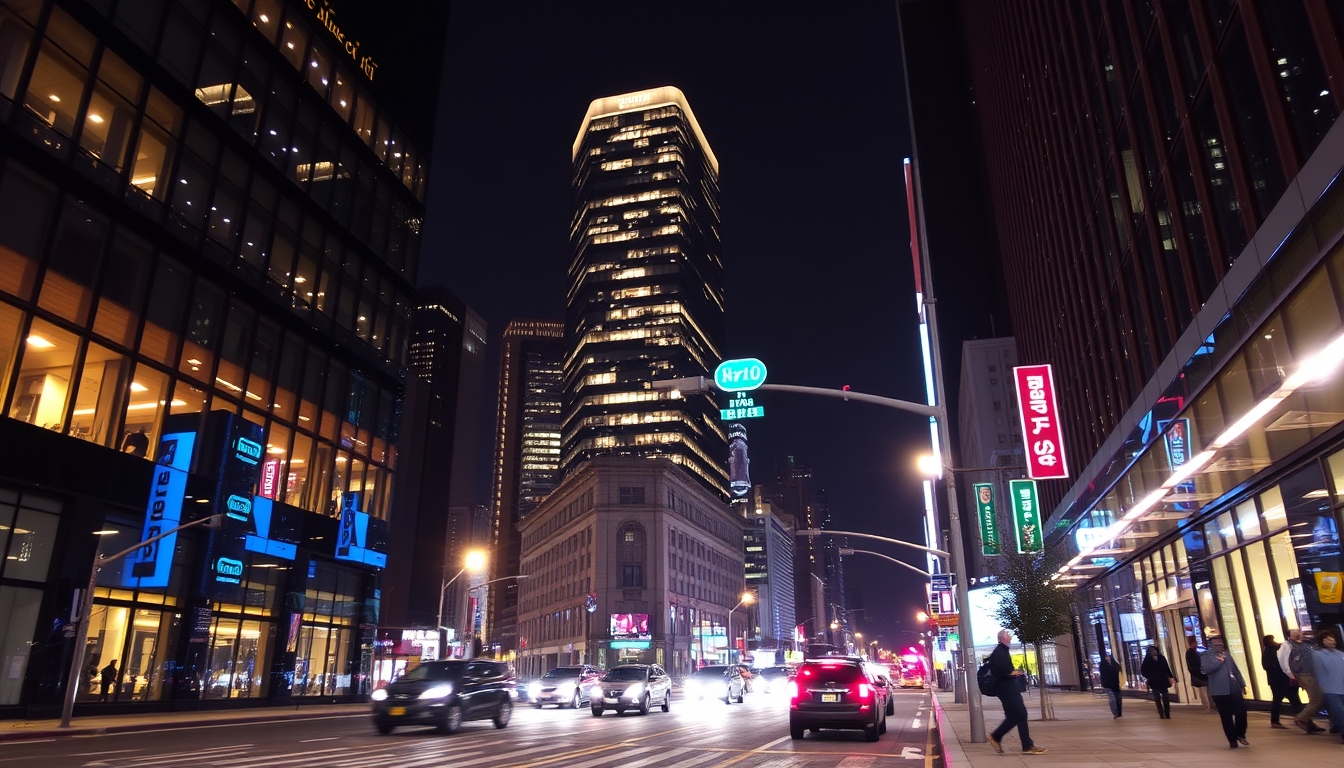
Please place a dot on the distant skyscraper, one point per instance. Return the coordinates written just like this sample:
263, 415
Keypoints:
527, 454
646, 286
802, 506
739, 466
769, 544
990, 435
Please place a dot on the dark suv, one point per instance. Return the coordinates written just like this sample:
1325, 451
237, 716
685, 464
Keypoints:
836, 693
444, 694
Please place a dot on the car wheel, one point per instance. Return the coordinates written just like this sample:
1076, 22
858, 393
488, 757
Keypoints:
740, 694
384, 728
597, 711
536, 705
795, 731
503, 714
891, 706
667, 700
870, 732
452, 720
644, 705
574, 703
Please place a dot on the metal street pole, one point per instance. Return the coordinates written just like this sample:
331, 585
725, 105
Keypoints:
86, 606
828, 532
846, 551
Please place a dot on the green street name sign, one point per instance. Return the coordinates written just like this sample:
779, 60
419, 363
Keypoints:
1026, 515
989, 521
740, 375
741, 408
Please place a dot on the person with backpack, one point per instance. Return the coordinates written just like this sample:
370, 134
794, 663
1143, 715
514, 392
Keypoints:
1007, 687
1110, 682
1295, 656
1198, 680
1279, 684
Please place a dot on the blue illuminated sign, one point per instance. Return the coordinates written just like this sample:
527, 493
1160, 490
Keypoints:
246, 450
228, 570
151, 565
352, 541
262, 543
1176, 435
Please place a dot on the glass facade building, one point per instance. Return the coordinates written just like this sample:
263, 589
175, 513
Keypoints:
1169, 218
646, 286
203, 209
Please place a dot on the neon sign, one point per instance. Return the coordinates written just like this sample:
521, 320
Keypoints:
151, 565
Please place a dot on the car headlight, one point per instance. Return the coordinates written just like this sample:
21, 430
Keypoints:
692, 688
595, 692
438, 691
634, 691
534, 690
379, 695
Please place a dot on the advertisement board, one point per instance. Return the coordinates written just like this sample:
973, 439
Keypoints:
1026, 515
150, 565
1039, 414
989, 521
630, 626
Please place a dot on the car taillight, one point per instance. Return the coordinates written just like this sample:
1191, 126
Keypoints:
793, 692
865, 691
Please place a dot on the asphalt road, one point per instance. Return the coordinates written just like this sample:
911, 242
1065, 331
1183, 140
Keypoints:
692, 735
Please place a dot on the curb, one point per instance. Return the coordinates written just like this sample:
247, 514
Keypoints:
955, 756
49, 733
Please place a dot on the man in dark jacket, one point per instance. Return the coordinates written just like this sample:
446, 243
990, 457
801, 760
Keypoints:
1009, 692
1280, 684
1110, 681
1157, 672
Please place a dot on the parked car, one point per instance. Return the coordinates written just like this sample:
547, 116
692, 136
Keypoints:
837, 693
632, 686
715, 682
445, 694
564, 686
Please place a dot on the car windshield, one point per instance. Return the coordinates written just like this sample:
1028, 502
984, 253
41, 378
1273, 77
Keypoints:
841, 673
773, 672
711, 672
562, 673
435, 671
625, 674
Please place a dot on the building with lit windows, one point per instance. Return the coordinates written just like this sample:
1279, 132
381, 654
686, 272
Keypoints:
1169, 216
209, 230
527, 456
769, 542
795, 498
630, 560
646, 287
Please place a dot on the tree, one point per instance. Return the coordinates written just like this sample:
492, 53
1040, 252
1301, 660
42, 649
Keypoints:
1033, 607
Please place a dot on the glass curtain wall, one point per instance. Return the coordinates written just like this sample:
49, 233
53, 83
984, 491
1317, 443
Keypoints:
324, 664
28, 526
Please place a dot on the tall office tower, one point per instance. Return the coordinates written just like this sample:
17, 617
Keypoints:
991, 438
795, 499
440, 424
527, 456
209, 228
646, 286
769, 543
1168, 205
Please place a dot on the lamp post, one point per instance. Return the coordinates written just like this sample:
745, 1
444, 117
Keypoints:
474, 561
747, 599
86, 606
518, 577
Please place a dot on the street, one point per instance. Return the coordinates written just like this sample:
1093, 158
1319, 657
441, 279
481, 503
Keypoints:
700, 734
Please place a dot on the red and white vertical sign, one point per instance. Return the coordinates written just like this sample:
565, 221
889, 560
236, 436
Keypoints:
1041, 435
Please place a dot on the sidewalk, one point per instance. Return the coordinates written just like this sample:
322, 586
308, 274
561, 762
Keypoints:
1084, 733
23, 730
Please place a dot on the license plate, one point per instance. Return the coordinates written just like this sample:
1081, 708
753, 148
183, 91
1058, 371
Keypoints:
830, 698
396, 711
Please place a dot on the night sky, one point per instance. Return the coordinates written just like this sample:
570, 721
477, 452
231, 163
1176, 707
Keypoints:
806, 113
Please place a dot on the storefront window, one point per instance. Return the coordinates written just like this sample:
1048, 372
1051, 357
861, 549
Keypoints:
1227, 607
323, 664
238, 659
148, 396
1245, 609
18, 620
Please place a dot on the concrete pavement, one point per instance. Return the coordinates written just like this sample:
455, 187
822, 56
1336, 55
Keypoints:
28, 730
1084, 733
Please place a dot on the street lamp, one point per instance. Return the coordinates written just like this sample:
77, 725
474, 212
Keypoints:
747, 599
474, 561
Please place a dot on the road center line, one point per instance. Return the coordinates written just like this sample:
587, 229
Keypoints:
326, 738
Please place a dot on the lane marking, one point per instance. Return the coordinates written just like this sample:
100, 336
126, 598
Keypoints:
928, 739
657, 757
608, 747
326, 738
604, 758
915, 723
105, 752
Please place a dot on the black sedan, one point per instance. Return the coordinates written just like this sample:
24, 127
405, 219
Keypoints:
444, 694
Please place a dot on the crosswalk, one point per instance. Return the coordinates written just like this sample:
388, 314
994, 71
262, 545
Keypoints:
547, 753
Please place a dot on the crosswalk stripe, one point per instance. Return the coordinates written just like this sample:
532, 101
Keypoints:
285, 758
855, 761
606, 758
177, 757
657, 758
503, 757
687, 763
783, 762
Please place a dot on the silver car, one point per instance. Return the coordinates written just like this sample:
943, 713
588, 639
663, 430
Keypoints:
632, 686
564, 687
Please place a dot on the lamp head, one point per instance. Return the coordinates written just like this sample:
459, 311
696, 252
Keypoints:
929, 465
748, 597
475, 560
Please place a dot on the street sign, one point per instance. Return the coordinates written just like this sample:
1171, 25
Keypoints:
740, 375
941, 582
947, 619
1039, 413
989, 520
742, 407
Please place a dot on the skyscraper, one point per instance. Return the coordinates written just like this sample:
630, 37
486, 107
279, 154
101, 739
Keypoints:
646, 286
527, 455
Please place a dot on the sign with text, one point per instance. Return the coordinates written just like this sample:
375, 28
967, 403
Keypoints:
1039, 413
355, 540
741, 407
947, 619
989, 519
150, 565
1176, 436
1026, 515
740, 375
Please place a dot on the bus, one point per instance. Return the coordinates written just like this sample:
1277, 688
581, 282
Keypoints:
909, 671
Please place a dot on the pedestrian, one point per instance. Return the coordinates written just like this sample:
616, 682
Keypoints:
1008, 690
1280, 685
1198, 680
1226, 685
1328, 664
1157, 672
108, 677
1295, 659
1110, 681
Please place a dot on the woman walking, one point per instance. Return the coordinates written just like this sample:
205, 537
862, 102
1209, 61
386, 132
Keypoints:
1225, 686
1279, 683
1328, 663
1110, 681
1198, 680
1157, 672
